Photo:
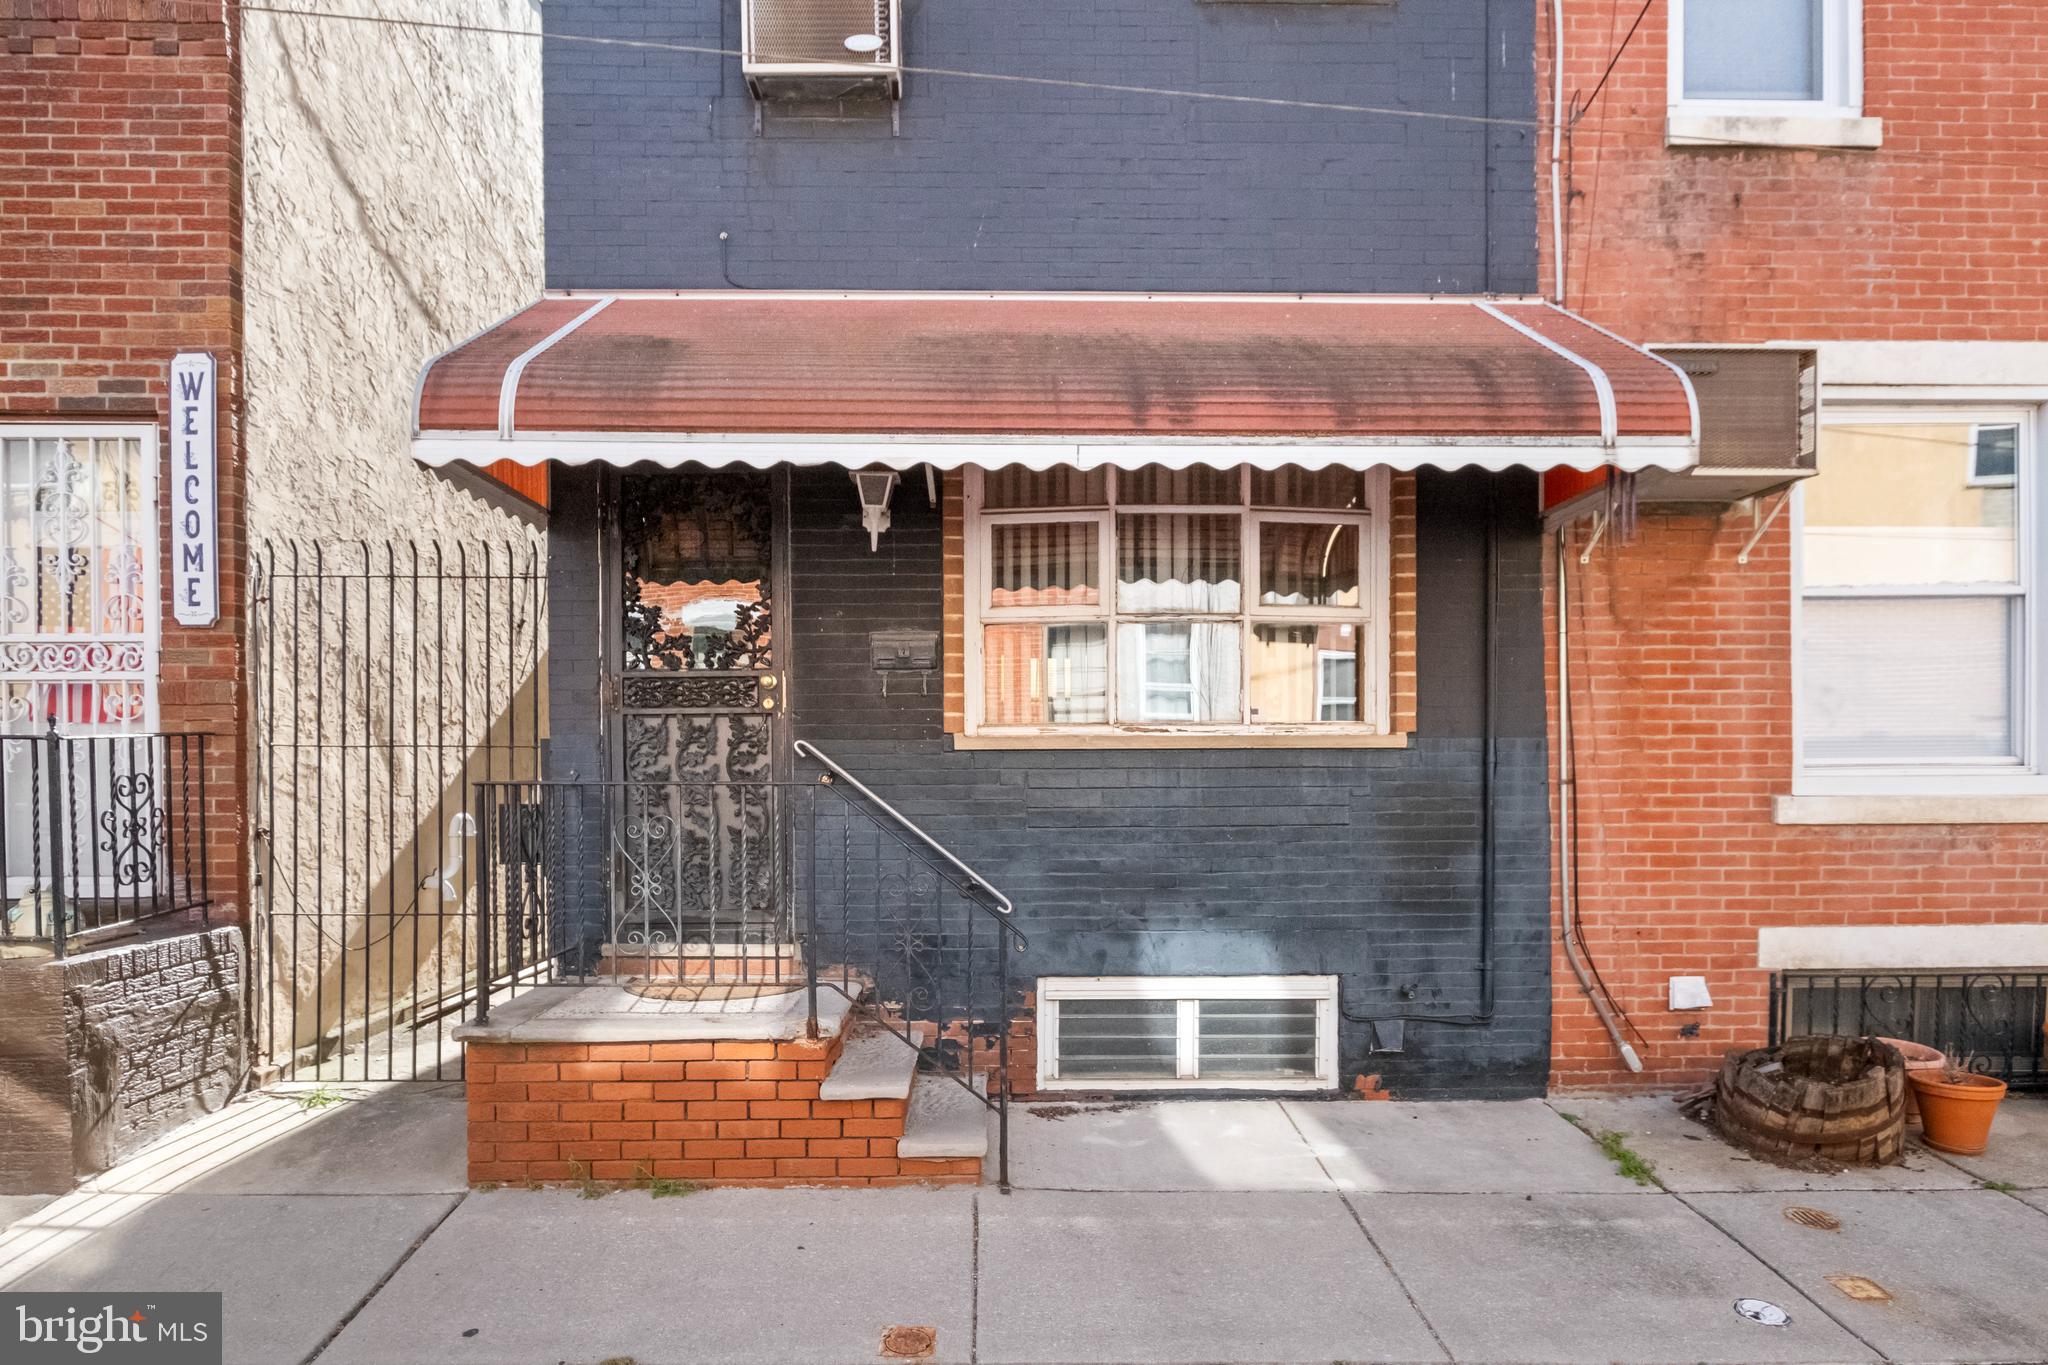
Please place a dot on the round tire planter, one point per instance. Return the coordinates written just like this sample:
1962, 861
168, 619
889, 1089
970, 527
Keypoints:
1840, 1100
1956, 1109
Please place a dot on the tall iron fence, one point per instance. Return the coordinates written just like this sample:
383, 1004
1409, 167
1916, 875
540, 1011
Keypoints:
100, 833
388, 678
1993, 1021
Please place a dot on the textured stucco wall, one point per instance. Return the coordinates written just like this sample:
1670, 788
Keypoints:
393, 206
122, 1046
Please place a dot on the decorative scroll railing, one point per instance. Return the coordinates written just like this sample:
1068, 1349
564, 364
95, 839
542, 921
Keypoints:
100, 832
710, 890
1990, 1021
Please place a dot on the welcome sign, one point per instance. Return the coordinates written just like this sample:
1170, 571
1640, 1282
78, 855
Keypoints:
195, 562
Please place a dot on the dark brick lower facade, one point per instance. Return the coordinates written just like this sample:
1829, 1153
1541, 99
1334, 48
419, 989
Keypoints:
1364, 864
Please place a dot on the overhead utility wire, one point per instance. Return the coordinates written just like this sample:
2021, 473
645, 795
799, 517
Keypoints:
1168, 92
2026, 160
1580, 109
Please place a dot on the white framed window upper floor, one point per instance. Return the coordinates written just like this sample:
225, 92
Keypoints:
1768, 72
1919, 567
1186, 604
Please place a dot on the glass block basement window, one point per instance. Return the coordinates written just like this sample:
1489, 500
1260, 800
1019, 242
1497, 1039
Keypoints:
1250, 1033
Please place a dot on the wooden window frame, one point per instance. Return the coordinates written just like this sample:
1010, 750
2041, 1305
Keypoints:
1373, 617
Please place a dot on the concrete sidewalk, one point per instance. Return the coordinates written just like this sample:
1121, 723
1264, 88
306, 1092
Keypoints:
1202, 1231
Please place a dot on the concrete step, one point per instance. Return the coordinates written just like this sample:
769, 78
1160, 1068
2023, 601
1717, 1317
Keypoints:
875, 1064
943, 1120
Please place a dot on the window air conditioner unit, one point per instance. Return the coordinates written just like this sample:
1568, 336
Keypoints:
1759, 423
822, 49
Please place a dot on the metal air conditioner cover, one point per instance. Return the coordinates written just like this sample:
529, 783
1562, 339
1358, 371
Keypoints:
798, 47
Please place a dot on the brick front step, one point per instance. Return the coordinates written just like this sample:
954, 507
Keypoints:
718, 1112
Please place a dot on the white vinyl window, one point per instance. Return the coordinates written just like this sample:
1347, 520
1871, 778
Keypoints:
1187, 1033
1753, 57
1189, 601
1919, 565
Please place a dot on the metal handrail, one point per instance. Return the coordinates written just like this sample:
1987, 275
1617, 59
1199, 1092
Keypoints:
806, 749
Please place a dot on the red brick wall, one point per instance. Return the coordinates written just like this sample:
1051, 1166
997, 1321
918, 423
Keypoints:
1681, 659
1682, 700
724, 1113
1935, 235
120, 244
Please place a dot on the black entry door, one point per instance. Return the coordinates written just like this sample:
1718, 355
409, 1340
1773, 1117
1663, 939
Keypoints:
701, 716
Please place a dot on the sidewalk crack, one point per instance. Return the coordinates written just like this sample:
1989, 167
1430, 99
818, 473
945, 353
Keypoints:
384, 1279
1371, 1241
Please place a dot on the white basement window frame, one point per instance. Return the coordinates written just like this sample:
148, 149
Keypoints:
1157, 700
1829, 113
1184, 998
2021, 771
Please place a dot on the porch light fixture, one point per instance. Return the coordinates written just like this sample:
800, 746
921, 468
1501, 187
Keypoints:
875, 486
864, 43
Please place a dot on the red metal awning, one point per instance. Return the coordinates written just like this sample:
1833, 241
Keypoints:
955, 379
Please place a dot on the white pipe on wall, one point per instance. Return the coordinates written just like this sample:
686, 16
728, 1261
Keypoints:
1557, 151
1568, 777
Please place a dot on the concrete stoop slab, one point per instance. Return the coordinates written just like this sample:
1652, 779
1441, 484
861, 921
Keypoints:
943, 1121
613, 1014
876, 1064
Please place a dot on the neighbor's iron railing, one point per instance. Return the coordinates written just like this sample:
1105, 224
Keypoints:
99, 832
1990, 1021
741, 887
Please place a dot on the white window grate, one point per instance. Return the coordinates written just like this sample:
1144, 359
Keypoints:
1165, 1033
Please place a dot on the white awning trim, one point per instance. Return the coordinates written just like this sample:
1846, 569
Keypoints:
1603, 388
508, 393
1586, 453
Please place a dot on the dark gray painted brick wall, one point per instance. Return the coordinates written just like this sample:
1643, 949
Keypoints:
651, 154
1363, 863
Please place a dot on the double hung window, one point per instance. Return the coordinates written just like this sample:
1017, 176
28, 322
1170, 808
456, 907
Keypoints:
1920, 564
1156, 599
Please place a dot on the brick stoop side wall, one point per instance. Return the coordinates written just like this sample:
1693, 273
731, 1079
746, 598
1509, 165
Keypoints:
113, 1048
718, 1113
1681, 665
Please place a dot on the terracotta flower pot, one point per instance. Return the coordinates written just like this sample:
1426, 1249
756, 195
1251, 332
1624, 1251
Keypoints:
1918, 1057
1956, 1108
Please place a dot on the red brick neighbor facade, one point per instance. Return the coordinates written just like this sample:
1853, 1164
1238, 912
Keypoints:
120, 244
1683, 660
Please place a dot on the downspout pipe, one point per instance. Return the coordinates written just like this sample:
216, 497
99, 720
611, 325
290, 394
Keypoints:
1567, 826
1557, 152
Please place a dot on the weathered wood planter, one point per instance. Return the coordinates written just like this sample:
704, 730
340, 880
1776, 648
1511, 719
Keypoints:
1815, 1099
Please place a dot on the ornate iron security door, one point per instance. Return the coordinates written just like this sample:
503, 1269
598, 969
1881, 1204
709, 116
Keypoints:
701, 850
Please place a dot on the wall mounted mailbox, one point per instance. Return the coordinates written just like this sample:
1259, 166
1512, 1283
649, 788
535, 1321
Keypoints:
895, 652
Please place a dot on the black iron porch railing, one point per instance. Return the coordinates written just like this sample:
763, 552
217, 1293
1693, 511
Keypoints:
99, 833
1991, 1021
720, 890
